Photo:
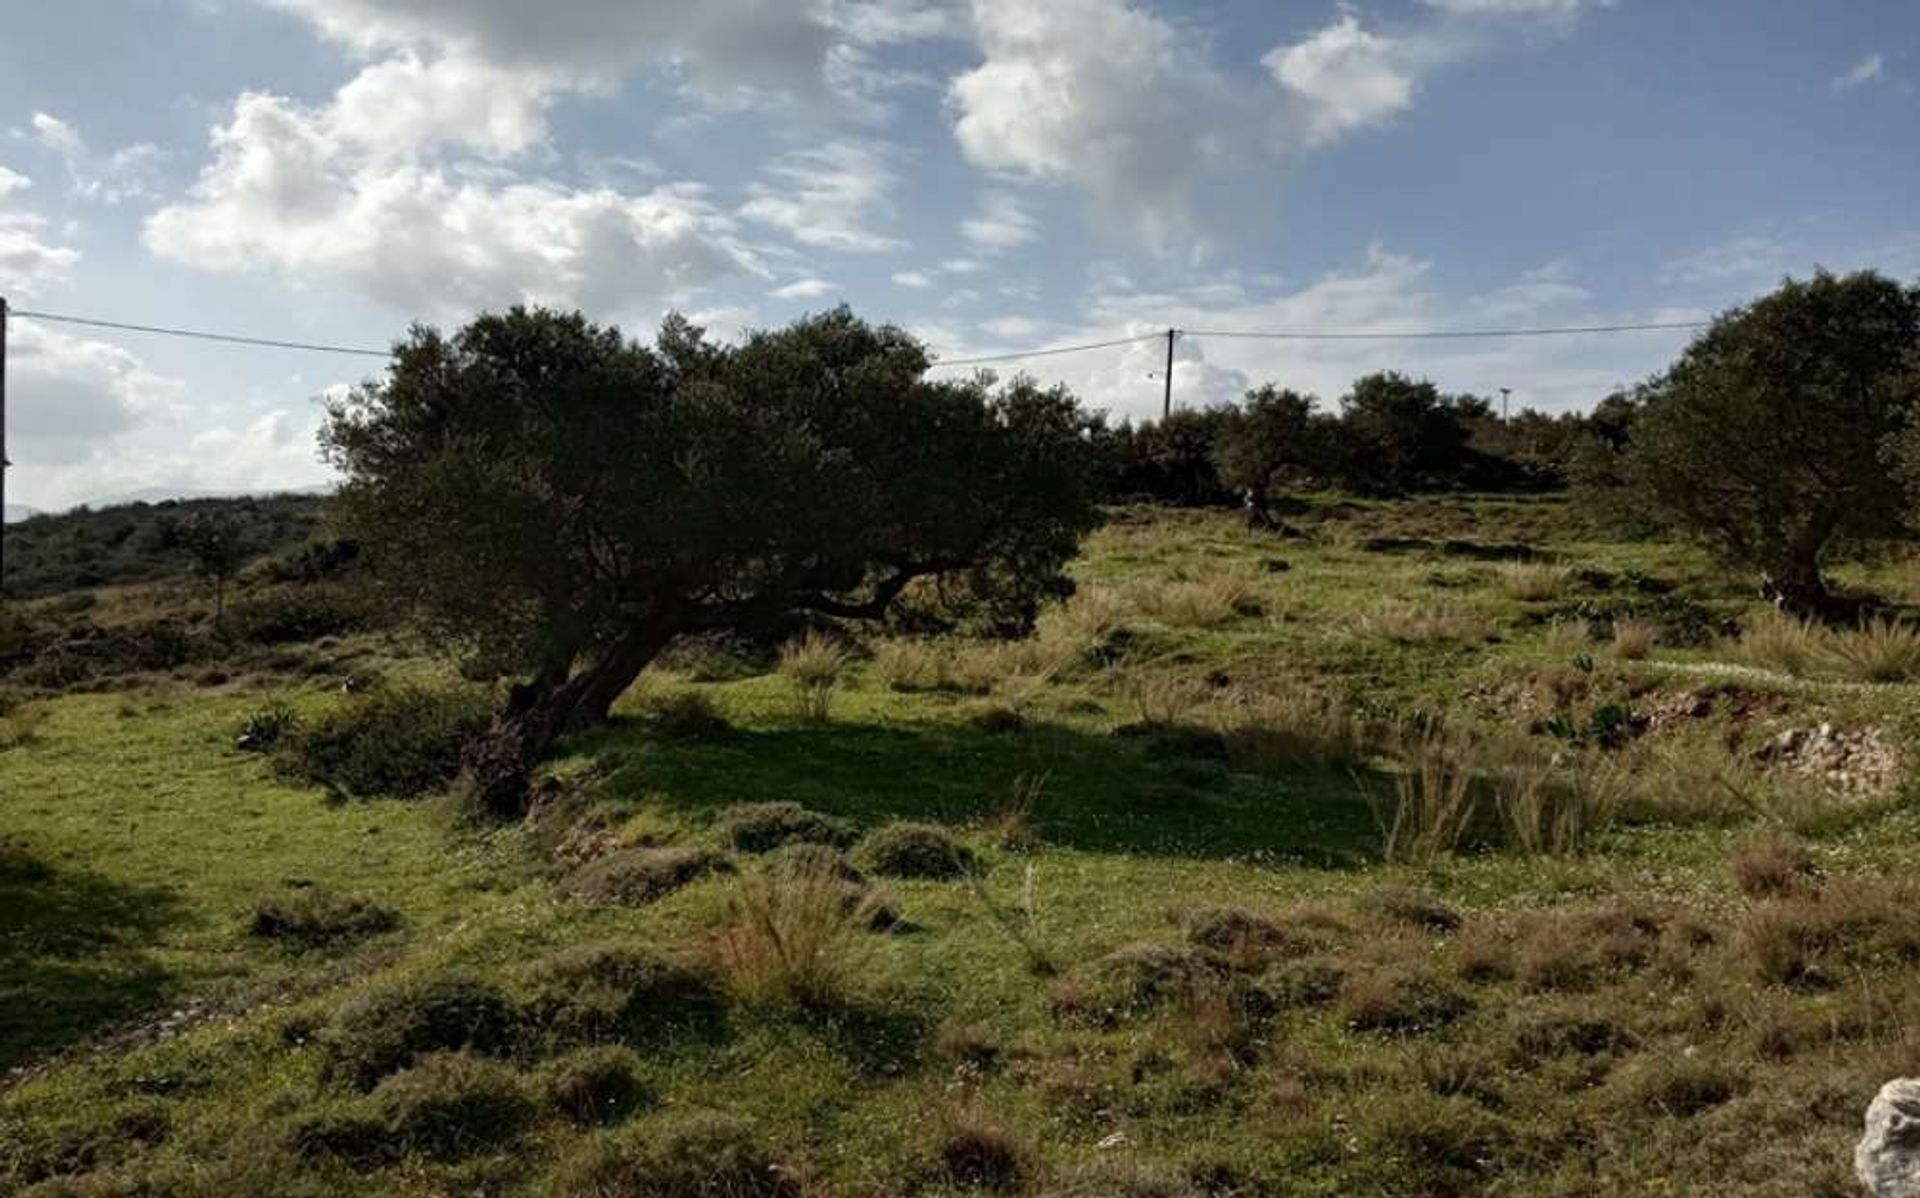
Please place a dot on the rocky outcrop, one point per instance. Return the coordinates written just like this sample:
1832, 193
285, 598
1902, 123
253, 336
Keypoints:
1888, 1157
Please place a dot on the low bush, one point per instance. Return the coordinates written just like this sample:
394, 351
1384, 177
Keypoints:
636, 877
266, 727
915, 850
1771, 864
813, 664
1543, 1035
315, 917
402, 741
387, 1027
1298, 985
452, 1105
975, 1155
19, 863
618, 991
289, 614
1417, 908
695, 1155
789, 936
597, 1086
763, 827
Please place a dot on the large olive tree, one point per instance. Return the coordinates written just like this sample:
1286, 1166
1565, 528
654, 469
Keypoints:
566, 502
1768, 440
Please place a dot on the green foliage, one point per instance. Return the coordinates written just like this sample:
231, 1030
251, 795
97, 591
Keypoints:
636, 877
387, 1027
402, 741
763, 827
315, 917
1272, 433
916, 850
266, 726
1404, 436
694, 1155
600, 1085
1766, 439
288, 614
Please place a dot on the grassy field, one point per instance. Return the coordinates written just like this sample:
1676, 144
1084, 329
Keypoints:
1439, 847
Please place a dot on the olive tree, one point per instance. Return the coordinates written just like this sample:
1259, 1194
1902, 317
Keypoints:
1271, 432
566, 502
1769, 439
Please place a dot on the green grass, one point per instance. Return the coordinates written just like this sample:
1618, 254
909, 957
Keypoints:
1614, 993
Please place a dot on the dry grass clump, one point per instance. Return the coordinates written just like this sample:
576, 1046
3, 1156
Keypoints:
813, 663
1410, 621
789, 938
1633, 640
1580, 950
682, 714
636, 877
1776, 641
1402, 1001
1771, 864
693, 1155
1815, 940
1680, 1088
1278, 731
1880, 650
1244, 938
1533, 582
1196, 603
1451, 790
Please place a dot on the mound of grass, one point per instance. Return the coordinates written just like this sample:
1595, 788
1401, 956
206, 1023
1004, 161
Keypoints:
1242, 936
618, 991
763, 827
401, 741
1771, 864
1813, 941
388, 1027
982, 1156
315, 917
636, 877
916, 850
696, 1155
1681, 1088
597, 1086
453, 1105
1402, 1001
1417, 908
683, 715
19, 863
1140, 978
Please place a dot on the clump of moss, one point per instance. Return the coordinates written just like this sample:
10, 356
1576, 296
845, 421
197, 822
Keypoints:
386, 1028
914, 850
763, 827
636, 877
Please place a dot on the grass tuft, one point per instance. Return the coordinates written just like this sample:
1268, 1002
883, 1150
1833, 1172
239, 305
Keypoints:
814, 663
637, 877
927, 852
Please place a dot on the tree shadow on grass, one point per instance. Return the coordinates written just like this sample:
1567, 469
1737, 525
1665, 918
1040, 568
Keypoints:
1101, 794
73, 954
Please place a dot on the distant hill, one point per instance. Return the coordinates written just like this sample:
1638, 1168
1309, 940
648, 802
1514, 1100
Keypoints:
14, 513
131, 543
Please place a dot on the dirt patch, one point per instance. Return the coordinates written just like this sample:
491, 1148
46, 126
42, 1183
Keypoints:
1863, 763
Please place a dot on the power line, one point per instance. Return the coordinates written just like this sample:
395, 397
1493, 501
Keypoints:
1454, 334
201, 335
1049, 353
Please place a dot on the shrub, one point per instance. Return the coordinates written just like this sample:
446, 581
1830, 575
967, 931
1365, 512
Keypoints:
451, 1105
763, 827
403, 741
266, 727
1577, 950
980, 1156
1401, 1001
813, 664
1880, 650
1776, 641
788, 936
636, 877
386, 1028
1633, 640
700, 1155
683, 715
1139, 978
1533, 582
597, 1086
619, 991
806, 857
914, 850
289, 614
315, 917
1771, 864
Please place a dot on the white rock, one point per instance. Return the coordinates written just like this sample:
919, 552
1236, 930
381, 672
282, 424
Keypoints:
1888, 1157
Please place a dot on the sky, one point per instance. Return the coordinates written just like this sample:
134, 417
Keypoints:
994, 175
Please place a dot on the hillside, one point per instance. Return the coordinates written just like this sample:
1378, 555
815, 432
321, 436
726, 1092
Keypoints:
1213, 919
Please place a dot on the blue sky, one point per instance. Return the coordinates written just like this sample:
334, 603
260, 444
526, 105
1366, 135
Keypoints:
995, 174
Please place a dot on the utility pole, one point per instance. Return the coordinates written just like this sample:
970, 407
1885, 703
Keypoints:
1166, 408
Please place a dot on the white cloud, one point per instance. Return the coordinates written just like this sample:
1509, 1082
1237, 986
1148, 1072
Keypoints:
404, 104
1870, 69
1347, 77
28, 260
68, 396
825, 197
804, 289
1097, 93
1513, 8
300, 191
914, 279
1013, 328
1001, 223
128, 173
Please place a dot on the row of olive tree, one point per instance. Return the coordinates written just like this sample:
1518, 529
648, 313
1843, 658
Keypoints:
564, 503
1786, 434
